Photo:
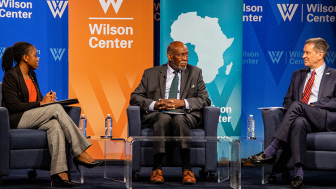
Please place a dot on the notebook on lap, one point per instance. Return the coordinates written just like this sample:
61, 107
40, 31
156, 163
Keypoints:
64, 102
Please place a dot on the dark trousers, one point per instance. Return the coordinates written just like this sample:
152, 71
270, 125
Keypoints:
170, 125
299, 120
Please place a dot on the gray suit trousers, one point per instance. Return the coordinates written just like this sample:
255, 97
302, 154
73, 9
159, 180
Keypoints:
299, 120
170, 125
60, 128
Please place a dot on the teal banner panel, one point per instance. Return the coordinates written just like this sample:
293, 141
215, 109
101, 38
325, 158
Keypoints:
213, 33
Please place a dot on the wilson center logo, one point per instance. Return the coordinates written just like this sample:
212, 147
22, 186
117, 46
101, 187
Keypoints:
105, 5
275, 56
330, 59
2, 50
287, 10
57, 53
57, 7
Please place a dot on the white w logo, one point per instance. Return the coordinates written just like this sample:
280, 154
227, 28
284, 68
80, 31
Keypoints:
2, 50
57, 9
275, 56
331, 57
105, 5
287, 10
57, 53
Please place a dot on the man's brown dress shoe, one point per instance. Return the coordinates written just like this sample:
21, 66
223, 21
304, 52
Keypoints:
188, 177
156, 177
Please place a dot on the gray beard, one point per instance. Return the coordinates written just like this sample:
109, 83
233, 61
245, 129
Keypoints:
177, 68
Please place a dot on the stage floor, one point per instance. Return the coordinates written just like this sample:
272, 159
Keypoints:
94, 178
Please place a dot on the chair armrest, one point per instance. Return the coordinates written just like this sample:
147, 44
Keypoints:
134, 129
4, 142
210, 118
74, 113
272, 119
134, 120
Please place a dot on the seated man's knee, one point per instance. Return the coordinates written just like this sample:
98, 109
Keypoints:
300, 123
162, 121
295, 105
164, 118
179, 119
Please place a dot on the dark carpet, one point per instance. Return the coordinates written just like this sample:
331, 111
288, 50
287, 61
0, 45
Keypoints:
94, 178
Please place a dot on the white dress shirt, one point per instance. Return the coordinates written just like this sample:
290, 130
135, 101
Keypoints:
169, 80
316, 86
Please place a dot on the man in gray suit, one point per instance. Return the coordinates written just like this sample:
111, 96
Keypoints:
171, 98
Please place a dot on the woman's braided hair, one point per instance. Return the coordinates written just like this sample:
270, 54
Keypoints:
15, 53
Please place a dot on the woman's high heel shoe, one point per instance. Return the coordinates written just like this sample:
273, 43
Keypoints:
64, 183
87, 165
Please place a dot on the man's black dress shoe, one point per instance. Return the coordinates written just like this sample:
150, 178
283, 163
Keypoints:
261, 160
297, 182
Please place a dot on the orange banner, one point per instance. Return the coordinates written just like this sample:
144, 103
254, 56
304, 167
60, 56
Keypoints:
110, 45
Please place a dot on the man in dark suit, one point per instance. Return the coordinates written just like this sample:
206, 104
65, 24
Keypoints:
311, 107
171, 98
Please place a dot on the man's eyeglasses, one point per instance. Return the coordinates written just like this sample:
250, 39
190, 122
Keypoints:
182, 55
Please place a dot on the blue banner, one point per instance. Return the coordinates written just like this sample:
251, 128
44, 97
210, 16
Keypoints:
213, 35
44, 24
275, 32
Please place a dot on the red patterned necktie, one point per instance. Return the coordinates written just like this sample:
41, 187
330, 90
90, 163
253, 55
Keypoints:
308, 88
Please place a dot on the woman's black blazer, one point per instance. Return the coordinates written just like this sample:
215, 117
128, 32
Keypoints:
15, 95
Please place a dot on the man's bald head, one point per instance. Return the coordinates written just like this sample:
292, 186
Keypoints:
175, 45
178, 54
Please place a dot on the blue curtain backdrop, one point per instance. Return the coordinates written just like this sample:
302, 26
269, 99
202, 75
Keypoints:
44, 24
275, 32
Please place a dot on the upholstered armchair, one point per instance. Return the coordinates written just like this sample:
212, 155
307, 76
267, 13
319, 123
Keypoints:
27, 148
321, 147
203, 155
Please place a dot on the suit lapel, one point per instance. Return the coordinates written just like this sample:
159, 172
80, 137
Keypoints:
184, 76
325, 77
302, 82
162, 80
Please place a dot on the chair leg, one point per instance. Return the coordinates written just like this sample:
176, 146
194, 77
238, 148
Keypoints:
32, 174
213, 177
272, 179
135, 176
203, 174
285, 175
0, 181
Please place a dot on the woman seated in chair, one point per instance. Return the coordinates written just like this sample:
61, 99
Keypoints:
23, 99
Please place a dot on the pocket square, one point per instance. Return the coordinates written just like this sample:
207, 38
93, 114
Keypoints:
192, 86
328, 73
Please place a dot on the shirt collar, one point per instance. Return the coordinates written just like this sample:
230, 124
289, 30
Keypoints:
170, 70
319, 70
